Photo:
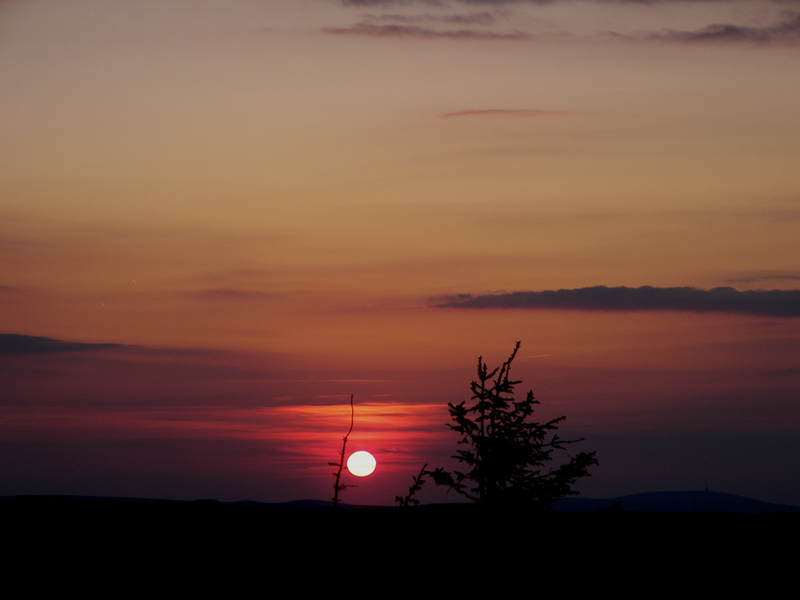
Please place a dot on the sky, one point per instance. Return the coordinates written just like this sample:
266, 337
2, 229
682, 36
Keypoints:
220, 219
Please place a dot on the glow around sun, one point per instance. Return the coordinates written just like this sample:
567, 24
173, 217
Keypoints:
361, 463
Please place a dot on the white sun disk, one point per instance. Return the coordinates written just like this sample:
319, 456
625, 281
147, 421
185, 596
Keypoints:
361, 463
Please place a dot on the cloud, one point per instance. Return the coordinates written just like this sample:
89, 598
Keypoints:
502, 112
388, 2
778, 303
787, 30
767, 276
480, 18
784, 29
416, 32
12, 343
444, 3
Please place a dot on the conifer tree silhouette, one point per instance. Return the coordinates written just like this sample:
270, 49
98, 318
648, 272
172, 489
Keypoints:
506, 462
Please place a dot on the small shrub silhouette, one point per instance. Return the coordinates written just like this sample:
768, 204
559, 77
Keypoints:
508, 452
337, 486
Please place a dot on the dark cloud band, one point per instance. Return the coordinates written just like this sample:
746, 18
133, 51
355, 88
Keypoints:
502, 112
12, 343
413, 31
785, 31
779, 303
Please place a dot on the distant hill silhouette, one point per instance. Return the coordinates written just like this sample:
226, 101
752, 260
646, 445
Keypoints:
652, 502
676, 502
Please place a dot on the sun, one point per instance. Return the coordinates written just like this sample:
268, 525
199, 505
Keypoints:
361, 463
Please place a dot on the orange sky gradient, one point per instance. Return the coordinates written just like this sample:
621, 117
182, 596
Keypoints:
232, 215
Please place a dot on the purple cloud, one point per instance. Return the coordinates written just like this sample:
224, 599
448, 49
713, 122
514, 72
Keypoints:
777, 303
786, 31
503, 112
416, 32
12, 343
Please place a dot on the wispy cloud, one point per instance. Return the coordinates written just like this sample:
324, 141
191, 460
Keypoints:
715, 21
445, 3
13, 343
503, 112
389, 2
785, 31
484, 18
767, 276
783, 303
417, 32
501, 2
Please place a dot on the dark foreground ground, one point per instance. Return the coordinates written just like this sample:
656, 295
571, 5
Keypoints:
441, 544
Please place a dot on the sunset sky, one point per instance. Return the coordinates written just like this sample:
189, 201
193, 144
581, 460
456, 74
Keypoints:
220, 218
